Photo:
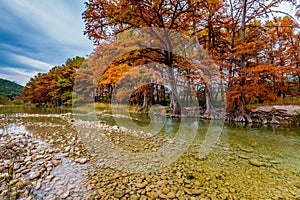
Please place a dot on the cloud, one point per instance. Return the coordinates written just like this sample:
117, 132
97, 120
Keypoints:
56, 18
35, 35
20, 76
36, 64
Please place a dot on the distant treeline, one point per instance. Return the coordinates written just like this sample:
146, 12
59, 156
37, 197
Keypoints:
9, 90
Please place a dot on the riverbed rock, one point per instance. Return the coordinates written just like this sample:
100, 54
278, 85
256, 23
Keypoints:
243, 156
171, 195
257, 163
49, 178
274, 171
34, 175
81, 160
65, 194
196, 191
142, 185
119, 194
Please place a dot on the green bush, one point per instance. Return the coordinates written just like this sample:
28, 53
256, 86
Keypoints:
296, 118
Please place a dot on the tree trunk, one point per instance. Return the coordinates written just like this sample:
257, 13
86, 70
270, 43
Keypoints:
242, 107
243, 59
208, 100
175, 103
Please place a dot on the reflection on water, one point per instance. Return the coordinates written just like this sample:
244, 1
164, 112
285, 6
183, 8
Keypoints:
250, 162
32, 110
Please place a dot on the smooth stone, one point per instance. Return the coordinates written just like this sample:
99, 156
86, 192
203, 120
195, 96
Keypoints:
81, 160
162, 195
171, 195
257, 163
165, 190
243, 156
67, 149
125, 181
56, 162
198, 184
134, 197
34, 175
196, 191
66, 155
274, 171
188, 191
17, 166
119, 194
65, 194
246, 150
21, 183
27, 159
49, 178
38, 185
232, 190
142, 185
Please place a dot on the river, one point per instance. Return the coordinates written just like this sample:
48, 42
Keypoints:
109, 156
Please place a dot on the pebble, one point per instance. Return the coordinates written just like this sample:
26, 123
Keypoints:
154, 185
83, 160
49, 178
171, 195
38, 185
34, 175
65, 194
67, 149
134, 197
274, 171
56, 162
243, 156
119, 194
142, 185
165, 190
257, 163
196, 191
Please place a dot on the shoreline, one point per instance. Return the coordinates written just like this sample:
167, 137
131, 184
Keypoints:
275, 114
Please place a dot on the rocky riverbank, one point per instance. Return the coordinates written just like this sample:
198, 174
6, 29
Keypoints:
32, 162
267, 115
280, 114
48, 160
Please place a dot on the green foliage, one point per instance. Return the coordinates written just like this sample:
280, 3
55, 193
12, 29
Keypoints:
18, 101
9, 90
296, 118
4, 101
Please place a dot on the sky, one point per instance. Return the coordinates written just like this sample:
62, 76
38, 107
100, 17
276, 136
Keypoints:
36, 35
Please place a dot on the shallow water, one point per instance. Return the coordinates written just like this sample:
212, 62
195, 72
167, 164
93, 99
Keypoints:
191, 158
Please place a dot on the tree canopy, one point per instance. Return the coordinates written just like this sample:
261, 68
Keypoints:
254, 45
54, 87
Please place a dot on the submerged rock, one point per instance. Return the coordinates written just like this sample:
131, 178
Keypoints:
257, 163
34, 175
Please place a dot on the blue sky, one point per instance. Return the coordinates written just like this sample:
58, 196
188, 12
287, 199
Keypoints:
36, 35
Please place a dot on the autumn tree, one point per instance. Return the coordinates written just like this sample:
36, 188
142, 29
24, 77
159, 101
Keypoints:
54, 87
256, 52
106, 19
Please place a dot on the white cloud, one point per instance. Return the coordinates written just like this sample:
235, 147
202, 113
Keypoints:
36, 64
20, 76
59, 19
